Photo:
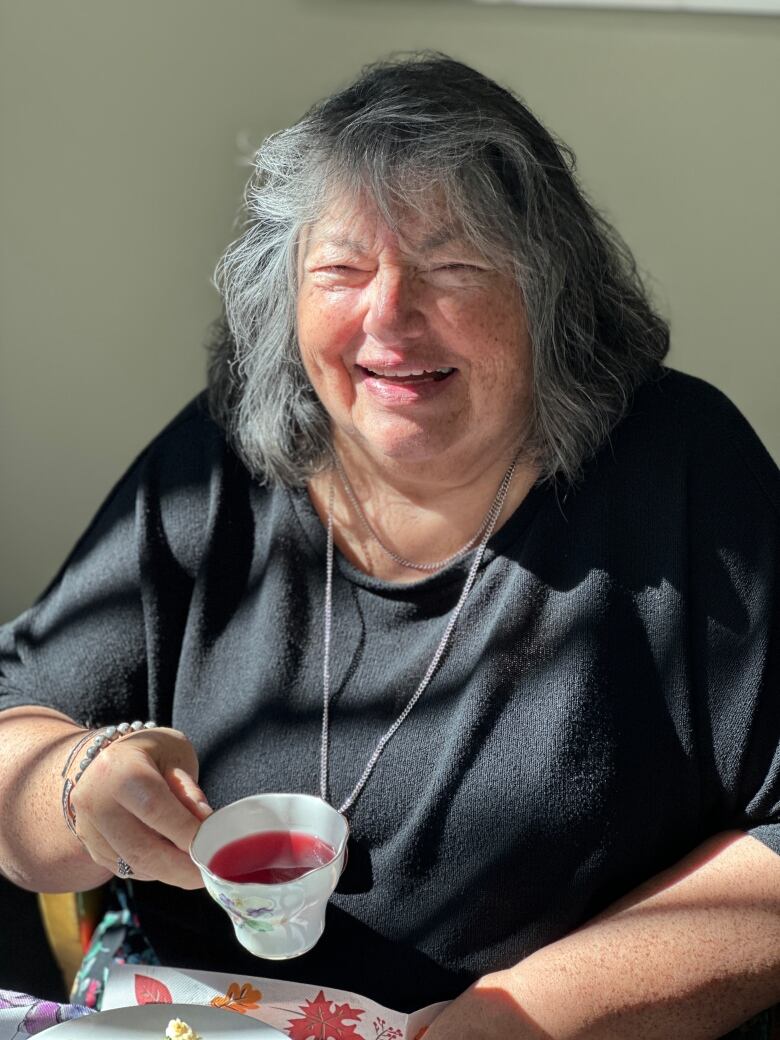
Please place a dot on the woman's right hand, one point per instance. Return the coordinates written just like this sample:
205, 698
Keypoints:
139, 801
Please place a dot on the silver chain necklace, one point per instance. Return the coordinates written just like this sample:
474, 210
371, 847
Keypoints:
440, 564
491, 520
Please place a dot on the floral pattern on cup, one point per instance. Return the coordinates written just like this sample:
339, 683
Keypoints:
244, 915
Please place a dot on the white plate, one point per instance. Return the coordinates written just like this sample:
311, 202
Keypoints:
149, 1021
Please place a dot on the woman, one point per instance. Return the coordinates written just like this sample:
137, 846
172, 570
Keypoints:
441, 465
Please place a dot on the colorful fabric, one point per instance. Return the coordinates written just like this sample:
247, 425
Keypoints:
118, 939
22, 1015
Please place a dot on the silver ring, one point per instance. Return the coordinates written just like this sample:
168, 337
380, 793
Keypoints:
123, 869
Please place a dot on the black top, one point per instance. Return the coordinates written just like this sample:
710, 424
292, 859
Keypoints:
610, 697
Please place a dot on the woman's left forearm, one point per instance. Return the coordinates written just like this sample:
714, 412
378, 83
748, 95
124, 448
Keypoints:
688, 956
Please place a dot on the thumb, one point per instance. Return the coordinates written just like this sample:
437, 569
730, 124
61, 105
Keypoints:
188, 792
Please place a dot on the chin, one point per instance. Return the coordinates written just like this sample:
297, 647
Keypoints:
420, 449
403, 442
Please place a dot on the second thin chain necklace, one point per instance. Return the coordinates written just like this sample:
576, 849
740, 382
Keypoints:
492, 518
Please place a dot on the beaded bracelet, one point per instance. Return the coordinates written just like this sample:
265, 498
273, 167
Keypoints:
100, 741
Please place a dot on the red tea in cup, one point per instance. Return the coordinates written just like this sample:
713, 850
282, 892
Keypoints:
271, 857
248, 851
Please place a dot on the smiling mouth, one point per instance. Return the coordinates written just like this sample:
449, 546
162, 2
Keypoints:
408, 375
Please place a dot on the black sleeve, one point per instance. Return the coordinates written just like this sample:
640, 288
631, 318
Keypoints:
734, 560
102, 642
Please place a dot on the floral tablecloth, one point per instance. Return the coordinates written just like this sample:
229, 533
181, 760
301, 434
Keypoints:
301, 1012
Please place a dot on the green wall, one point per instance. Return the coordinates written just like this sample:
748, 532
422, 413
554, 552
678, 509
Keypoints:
120, 123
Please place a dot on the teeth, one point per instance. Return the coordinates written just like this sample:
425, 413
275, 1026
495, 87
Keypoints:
401, 373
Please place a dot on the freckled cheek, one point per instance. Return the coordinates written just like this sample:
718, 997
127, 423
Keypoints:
327, 329
499, 353
322, 337
326, 340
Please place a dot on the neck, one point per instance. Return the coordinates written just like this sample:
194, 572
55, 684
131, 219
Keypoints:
420, 517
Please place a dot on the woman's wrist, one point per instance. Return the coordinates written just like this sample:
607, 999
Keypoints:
101, 739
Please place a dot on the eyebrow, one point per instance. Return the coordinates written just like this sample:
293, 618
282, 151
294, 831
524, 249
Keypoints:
434, 241
349, 244
437, 239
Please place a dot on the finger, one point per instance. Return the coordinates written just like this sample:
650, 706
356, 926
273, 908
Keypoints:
187, 791
103, 851
146, 796
150, 855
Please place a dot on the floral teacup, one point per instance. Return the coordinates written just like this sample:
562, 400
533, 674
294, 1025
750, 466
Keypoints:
285, 919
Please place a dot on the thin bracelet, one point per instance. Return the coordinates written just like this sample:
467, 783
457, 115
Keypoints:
73, 752
67, 812
99, 742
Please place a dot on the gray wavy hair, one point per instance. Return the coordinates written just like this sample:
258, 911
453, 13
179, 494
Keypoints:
405, 127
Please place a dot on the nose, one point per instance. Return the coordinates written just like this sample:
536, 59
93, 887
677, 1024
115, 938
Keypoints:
393, 309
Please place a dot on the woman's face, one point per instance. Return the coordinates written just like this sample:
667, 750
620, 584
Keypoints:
415, 344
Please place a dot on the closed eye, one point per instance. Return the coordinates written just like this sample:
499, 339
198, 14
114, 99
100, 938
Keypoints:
340, 269
460, 266
339, 275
